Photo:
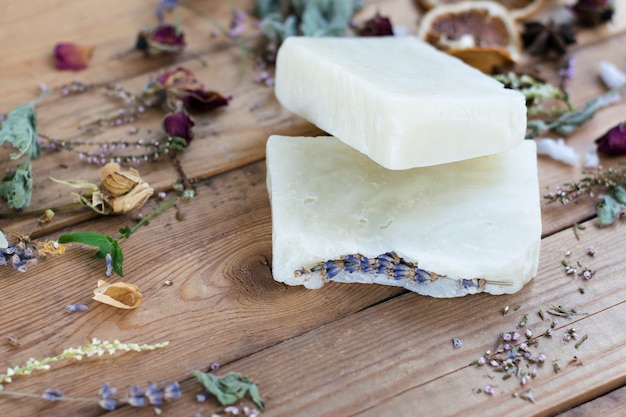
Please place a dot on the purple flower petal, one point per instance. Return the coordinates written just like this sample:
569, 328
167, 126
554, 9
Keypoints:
161, 40
179, 125
376, 26
70, 56
613, 142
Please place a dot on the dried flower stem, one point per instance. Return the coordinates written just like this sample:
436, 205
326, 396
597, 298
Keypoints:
600, 180
568, 122
96, 347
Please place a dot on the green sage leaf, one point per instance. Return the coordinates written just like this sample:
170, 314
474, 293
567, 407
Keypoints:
619, 193
105, 244
229, 388
17, 186
20, 130
607, 209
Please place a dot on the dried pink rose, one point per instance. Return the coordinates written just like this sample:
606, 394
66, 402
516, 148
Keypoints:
594, 12
613, 142
181, 85
163, 39
71, 56
179, 125
376, 26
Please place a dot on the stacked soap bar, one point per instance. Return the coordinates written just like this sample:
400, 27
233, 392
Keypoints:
398, 100
428, 183
446, 230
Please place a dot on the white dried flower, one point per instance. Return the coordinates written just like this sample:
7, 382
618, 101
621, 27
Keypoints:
591, 160
557, 150
611, 76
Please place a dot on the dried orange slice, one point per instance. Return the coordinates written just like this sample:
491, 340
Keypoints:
519, 9
481, 33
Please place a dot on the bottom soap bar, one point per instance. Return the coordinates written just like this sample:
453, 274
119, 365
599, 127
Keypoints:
444, 231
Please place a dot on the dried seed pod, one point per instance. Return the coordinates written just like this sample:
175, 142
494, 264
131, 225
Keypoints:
119, 294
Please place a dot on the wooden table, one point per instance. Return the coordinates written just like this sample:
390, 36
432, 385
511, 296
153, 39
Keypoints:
338, 351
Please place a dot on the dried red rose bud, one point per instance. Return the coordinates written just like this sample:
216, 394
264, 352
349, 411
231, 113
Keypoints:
613, 142
181, 85
593, 12
161, 40
376, 26
70, 56
179, 125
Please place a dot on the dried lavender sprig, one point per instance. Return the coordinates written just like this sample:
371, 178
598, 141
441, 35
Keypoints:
605, 180
96, 347
568, 122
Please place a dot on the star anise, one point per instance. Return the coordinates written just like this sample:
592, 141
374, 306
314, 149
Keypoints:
545, 38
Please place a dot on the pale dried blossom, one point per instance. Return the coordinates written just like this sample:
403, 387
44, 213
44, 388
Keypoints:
558, 150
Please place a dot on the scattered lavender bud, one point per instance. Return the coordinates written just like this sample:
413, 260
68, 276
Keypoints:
506, 347
591, 251
523, 380
481, 361
488, 389
507, 337
172, 390
456, 343
541, 358
529, 333
51, 394
494, 363
76, 308
162, 195
516, 336
215, 366
523, 346
109, 264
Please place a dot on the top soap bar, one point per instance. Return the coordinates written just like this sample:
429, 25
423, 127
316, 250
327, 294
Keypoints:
398, 100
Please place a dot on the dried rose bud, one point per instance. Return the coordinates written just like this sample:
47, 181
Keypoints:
181, 85
179, 125
161, 40
70, 56
376, 26
613, 142
593, 12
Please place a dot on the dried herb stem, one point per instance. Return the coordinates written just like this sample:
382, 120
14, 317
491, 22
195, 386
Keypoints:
606, 180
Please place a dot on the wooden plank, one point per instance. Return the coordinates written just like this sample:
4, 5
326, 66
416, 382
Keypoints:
223, 305
396, 358
609, 405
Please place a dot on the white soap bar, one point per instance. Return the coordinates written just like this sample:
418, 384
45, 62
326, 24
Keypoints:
398, 100
444, 231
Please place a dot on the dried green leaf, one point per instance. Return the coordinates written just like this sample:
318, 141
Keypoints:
17, 186
105, 244
229, 388
20, 130
607, 209
619, 193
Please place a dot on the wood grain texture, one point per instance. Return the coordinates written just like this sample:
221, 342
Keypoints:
342, 350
